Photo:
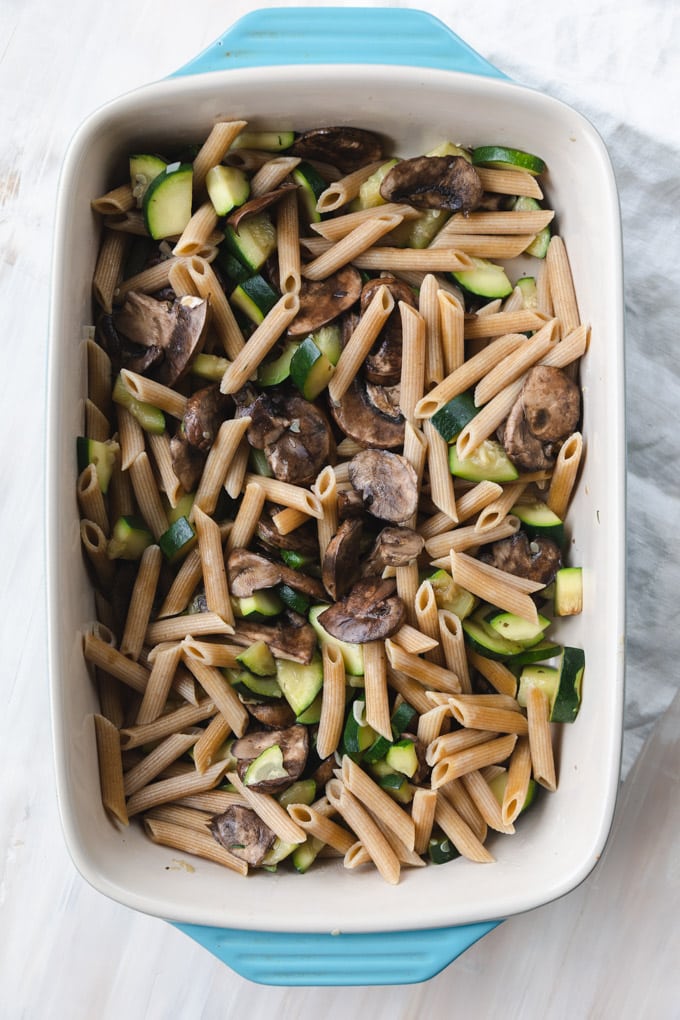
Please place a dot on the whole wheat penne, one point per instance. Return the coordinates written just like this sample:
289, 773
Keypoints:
425, 606
101, 654
148, 281
463, 377
171, 722
452, 640
458, 763
403, 853
410, 690
109, 268
130, 437
289, 495
197, 234
360, 821
288, 244
215, 802
486, 421
415, 452
260, 343
509, 182
210, 741
426, 260
129, 222
513, 222
152, 392
141, 602
169, 483
462, 539
249, 512
180, 814
477, 716
413, 640
460, 833
323, 828
110, 768
497, 513
375, 688
147, 495
341, 192
350, 246
427, 673
441, 481
181, 280
360, 342
561, 284
485, 801
97, 425
543, 298
120, 495
499, 323
220, 139
212, 653
176, 628
236, 472
91, 499
452, 331
186, 840
517, 785
423, 809
446, 744
456, 794
153, 763
160, 680
517, 362
183, 586
95, 545
166, 790
407, 585
207, 285
220, 691
326, 489
218, 462
540, 738
413, 359
428, 306
213, 566
337, 227
332, 716
433, 723
271, 174
493, 585
289, 519
492, 246
270, 811
498, 674
118, 200
564, 474
377, 801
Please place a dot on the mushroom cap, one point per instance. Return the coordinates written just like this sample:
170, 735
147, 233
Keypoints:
294, 745
522, 447
538, 559
249, 572
256, 205
205, 411
393, 547
277, 715
187, 461
289, 637
387, 483
362, 421
243, 833
303, 540
434, 182
321, 301
178, 327
552, 403
347, 148
371, 611
342, 559
294, 434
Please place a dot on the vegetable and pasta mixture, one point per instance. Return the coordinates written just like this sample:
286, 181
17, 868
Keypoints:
330, 442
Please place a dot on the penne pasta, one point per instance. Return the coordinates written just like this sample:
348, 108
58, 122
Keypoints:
166, 790
485, 801
326, 489
561, 284
517, 362
109, 268
375, 688
564, 474
332, 716
412, 361
270, 811
452, 639
205, 282
260, 343
271, 174
494, 586
91, 499
292, 496
428, 623
209, 744
428, 306
110, 769
118, 200
519, 774
147, 495
360, 821
360, 342
222, 136
497, 674
249, 513
540, 738
459, 832
163, 670
153, 763
340, 192
441, 480
151, 392
470, 759
213, 566
179, 837
435, 677
288, 244
197, 236
221, 693
141, 602
174, 721
348, 248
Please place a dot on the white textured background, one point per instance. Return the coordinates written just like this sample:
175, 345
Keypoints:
64, 950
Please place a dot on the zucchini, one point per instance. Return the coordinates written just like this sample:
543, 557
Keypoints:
263, 686
254, 297
402, 758
167, 201
231, 266
539, 521
149, 417
449, 149
267, 766
539, 246
352, 654
310, 369
129, 538
311, 715
300, 682
270, 141
500, 157
401, 719
271, 373
484, 640
328, 339
259, 463
261, 604
441, 850
209, 366
527, 286
369, 192
302, 791
278, 852
101, 453
516, 628
424, 230
253, 242
487, 279
258, 659
498, 784
489, 462
144, 168
540, 652
295, 600
179, 539
561, 683
568, 599
449, 595
394, 783
227, 187
182, 507
297, 560
454, 415
357, 735
305, 854
311, 186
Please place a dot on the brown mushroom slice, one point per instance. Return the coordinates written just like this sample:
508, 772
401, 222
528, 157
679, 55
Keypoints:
394, 547
122, 351
434, 182
290, 637
347, 148
303, 540
342, 560
362, 421
294, 434
522, 447
294, 746
256, 205
187, 462
371, 611
383, 363
538, 559
385, 399
387, 483
277, 715
249, 572
350, 504
205, 411
178, 327
243, 833
321, 301
552, 403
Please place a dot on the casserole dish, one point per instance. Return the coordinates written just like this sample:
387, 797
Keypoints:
399, 70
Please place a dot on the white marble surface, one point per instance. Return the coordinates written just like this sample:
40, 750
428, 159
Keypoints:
610, 949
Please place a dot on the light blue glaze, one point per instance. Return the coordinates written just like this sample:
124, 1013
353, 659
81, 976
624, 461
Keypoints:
338, 35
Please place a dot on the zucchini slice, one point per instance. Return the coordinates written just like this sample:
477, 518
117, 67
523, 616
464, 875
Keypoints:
270, 141
295, 600
260, 605
178, 540
540, 652
516, 628
489, 462
271, 373
167, 201
302, 791
254, 297
209, 366
311, 187
539, 246
101, 453
300, 682
454, 416
482, 638
253, 242
561, 683
357, 735
263, 686
498, 784
144, 168
149, 417
258, 659
328, 339
538, 520
441, 850
310, 369
227, 187
529, 291
487, 279
449, 595
129, 538
568, 599
369, 192
402, 758
499, 157
267, 766
352, 654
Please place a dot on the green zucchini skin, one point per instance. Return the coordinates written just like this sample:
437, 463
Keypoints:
167, 201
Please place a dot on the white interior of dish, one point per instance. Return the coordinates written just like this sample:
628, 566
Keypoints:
559, 841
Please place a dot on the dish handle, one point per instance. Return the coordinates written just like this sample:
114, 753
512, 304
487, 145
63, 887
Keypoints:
339, 35
313, 959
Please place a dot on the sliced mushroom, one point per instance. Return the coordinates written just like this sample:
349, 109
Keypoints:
178, 327
205, 411
383, 363
187, 461
294, 745
385, 399
342, 559
256, 205
347, 148
539, 559
434, 182
243, 833
362, 421
250, 572
290, 637
277, 715
294, 434
350, 504
522, 447
303, 540
324, 300
552, 403
122, 351
387, 483
394, 547
372, 611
